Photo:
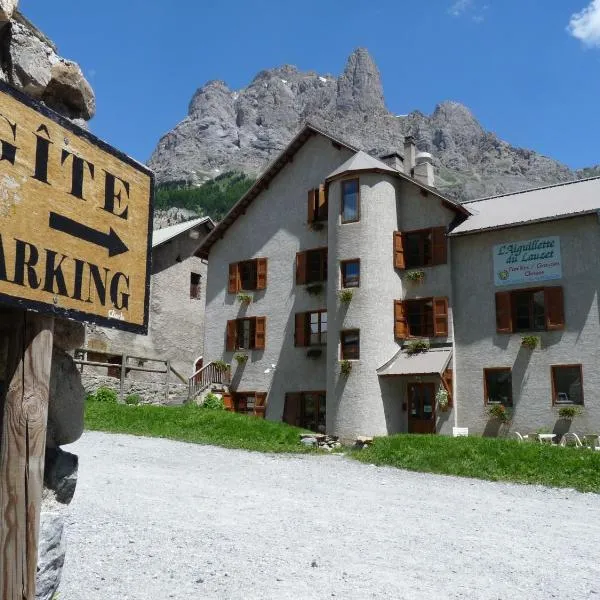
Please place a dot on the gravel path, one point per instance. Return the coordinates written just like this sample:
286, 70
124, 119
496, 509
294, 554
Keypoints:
154, 519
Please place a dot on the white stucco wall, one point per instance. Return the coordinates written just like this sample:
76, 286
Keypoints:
479, 346
274, 226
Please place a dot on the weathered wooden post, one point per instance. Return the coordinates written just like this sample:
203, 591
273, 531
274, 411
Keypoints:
75, 230
122, 378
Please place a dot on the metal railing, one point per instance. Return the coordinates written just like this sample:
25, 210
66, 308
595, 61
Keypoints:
124, 366
208, 375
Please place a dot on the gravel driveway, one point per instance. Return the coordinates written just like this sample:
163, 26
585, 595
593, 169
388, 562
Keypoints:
154, 519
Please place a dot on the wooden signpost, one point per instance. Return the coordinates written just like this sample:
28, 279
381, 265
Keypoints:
75, 242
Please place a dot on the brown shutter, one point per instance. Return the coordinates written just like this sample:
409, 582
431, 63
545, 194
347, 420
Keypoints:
234, 278
400, 320
555, 309
439, 246
447, 383
503, 313
260, 405
291, 411
231, 335
322, 203
399, 250
440, 317
300, 330
260, 330
261, 273
300, 268
311, 205
228, 402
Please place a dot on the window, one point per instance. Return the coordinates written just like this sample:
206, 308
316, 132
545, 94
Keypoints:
246, 334
317, 205
427, 317
350, 201
247, 275
350, 273
537, 309
307, 410
249, 403
498, 386
311, 266
422, 248
195, 286
567, 384
311, 328
350, 348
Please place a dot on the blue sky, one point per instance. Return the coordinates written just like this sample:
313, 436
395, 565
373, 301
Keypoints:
528, 69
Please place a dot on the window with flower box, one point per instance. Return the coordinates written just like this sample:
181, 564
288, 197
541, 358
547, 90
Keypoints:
246, 334
311, 266
311, 328
421, 248
533, 309
247, 275
497, 383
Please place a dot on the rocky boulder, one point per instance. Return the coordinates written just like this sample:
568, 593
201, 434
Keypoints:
7, 8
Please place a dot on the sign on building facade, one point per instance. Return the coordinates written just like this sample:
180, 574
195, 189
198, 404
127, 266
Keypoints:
527, 261
75, 220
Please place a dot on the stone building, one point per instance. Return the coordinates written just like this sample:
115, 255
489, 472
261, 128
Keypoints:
351, 297
177, 295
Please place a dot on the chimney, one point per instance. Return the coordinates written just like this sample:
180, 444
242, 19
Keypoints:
394, 160
424, 169
410, 152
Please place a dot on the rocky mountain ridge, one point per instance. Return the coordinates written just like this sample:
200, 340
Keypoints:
245, 129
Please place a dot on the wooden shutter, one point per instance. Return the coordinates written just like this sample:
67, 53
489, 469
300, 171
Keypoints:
322, 203
300, 338
503, 313
311, 205
440, 317
555, 309
260, 404
228, 402
261, 273
234, 278
300, 268
400, 320
291, 411
231, 335
399, 250
260, 330
447, 383
439, 246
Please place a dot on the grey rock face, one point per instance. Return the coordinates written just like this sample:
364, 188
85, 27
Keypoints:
7, 8
60, 478
246, 129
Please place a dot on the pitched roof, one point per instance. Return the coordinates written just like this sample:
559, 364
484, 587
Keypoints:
361, 161
160, 236
432, 362
548, 203
263, 182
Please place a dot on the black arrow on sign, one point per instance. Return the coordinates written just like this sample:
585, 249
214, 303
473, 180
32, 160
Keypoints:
111, 241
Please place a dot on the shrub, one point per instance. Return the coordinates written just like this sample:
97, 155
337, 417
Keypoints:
569, 412
133, 399
244, 298
241, 358
345, 367
213, 402
314, 289
442, 399
530, 341
220, 365
416, 346
346, 296
104, 394
415, 276
500, 412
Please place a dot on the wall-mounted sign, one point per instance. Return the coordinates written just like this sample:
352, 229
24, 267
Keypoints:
528, 261
75, 220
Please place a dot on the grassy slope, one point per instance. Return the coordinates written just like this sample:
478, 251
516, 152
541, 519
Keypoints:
492, 459
481, 458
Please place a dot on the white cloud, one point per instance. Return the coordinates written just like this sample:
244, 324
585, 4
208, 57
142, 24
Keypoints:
459, 7
585, 25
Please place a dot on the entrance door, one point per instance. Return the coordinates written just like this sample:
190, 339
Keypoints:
421, 407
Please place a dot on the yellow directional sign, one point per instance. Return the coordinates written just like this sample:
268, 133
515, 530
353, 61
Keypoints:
75, 220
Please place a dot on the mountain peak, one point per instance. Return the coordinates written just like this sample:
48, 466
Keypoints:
359, 86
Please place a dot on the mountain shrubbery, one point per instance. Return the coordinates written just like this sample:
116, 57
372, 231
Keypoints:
213, 198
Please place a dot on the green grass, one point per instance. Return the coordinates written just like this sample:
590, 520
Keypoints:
190, 423
486, 458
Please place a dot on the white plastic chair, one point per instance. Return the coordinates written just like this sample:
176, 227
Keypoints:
571, 439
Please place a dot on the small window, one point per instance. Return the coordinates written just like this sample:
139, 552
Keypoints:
420, 317
195, 286
418, 249
350, 201
350, 349
537, 309
245, 334
317, 322
350, 273
567, 384
317, 205
248, 275
316, 265
529, 310
498, 386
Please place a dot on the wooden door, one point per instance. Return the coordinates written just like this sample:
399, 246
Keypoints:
421, 407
